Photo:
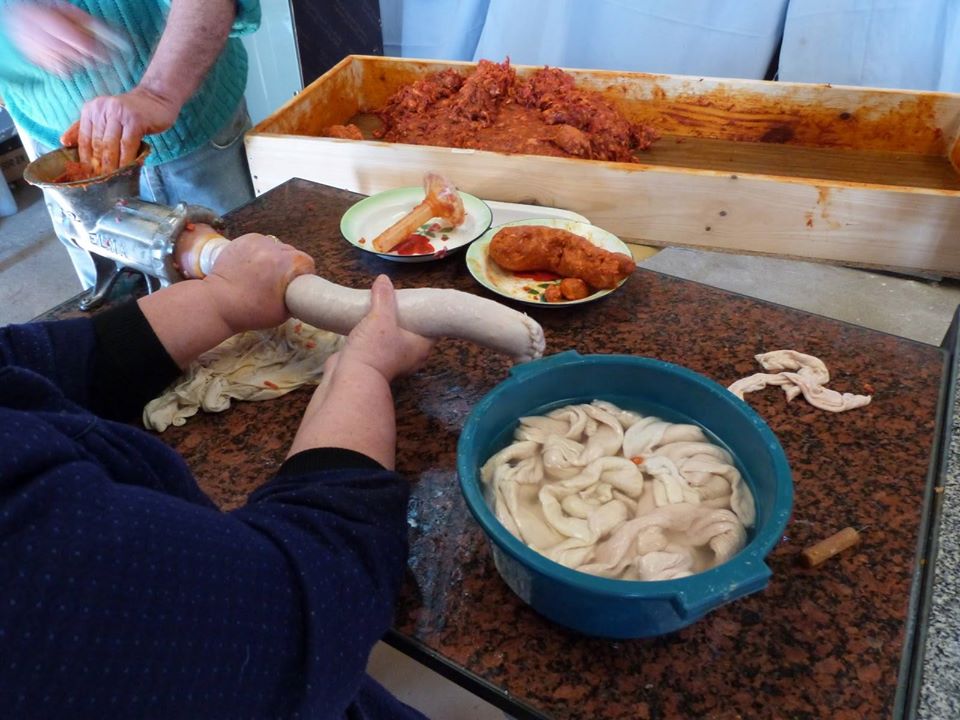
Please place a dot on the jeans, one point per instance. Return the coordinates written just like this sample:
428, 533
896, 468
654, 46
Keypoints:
215, 176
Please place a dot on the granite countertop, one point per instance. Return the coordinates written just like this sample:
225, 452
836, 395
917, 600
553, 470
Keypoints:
826, 642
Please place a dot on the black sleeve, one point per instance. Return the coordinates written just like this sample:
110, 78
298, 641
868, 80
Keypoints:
130, 365
327, 458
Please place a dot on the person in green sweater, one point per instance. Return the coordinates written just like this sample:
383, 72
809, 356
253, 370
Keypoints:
103, 75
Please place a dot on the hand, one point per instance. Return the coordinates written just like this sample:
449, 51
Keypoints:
111, 127
250, 278
57, 36
379, 342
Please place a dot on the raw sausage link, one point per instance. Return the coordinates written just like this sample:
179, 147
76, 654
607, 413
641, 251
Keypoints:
431, 312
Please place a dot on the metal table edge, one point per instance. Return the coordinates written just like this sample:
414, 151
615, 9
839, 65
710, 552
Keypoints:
910, 677
461, 676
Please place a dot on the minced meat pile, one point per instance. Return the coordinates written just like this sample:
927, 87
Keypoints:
493, 109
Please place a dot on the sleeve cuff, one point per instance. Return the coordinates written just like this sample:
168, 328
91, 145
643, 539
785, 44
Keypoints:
132, 366
328, 458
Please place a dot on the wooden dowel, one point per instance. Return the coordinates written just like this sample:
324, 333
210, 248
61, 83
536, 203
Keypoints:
826, 549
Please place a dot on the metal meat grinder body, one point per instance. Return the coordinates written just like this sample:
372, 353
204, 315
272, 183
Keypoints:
106, 217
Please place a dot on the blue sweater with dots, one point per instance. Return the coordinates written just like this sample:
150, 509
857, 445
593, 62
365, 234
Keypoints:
124, 593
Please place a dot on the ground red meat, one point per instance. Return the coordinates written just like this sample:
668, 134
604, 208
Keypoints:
344, 132
420, 96
492, 109
482, 93
74, 171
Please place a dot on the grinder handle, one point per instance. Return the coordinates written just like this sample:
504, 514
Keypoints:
197, 249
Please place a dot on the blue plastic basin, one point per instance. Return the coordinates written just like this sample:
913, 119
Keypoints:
626, 608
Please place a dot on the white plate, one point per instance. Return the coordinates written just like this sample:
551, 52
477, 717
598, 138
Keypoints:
371, 216
504, 212
527, 290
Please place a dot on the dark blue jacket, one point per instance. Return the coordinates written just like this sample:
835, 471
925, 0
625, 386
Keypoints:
124, 593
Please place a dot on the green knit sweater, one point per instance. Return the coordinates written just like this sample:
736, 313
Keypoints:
45, 105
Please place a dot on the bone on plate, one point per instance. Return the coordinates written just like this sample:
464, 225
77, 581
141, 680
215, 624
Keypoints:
441, 201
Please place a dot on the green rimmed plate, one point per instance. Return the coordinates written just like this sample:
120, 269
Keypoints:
527, 289
369, 217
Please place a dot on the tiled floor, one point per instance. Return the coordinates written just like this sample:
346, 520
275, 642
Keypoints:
36, 274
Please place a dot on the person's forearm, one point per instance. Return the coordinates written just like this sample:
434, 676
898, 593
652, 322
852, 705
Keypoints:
186, 320
352, 410
195, 33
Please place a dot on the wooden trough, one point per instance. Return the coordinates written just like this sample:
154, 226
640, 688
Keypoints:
858, 176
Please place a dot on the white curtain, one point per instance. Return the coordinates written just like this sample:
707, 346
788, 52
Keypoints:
723, 38
728, 38
435, 29
886, 43
913, 44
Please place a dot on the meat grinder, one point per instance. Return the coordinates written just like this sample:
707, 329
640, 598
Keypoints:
105, 216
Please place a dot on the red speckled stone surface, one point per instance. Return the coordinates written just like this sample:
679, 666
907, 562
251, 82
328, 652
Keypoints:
826, 642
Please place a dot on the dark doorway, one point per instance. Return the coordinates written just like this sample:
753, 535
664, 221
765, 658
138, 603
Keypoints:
327, 30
